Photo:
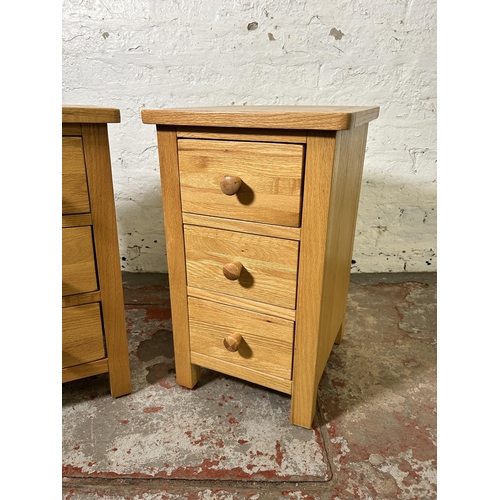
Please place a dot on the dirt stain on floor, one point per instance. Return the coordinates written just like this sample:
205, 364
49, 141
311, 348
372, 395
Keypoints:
160, 344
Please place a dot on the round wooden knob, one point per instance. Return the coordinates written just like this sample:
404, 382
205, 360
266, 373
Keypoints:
232, 342
232, 270
230, 184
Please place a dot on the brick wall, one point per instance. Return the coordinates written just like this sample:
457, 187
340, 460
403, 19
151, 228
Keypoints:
177, 53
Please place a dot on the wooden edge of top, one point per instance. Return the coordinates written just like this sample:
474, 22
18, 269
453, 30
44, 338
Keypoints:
282, 117
90, 114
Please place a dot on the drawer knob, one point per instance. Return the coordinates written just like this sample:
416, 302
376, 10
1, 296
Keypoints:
232, 270
230, 184
232, 342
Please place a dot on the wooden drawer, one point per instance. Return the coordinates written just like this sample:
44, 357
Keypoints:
267, 341
269, 265
82, 337
271, 175
75, 196
78, 263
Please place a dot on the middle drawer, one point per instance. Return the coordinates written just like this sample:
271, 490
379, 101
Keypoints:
249, 266
78, 261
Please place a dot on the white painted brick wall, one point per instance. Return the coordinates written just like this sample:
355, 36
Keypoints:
177, 53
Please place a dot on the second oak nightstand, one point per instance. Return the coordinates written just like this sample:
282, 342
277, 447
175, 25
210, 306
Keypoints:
260, 207
94, 335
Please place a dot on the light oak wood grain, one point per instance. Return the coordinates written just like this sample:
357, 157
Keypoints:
76, 220
86, 370
90, 225
82, 338
269, 271
78, 261
249, 305
317, 191
71, 129
81, 298
288, 233
75, 196
266, 343
247, 374
187, 374
284, 117
329, 220
230, 185
260, 135
233, 341
90, 114
344, 202
100, 182
232, 270
271, 176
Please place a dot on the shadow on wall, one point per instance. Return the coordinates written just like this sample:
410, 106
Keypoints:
396, 228
141, 232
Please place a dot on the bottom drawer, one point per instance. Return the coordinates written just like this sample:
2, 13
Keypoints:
266, 341
82, 337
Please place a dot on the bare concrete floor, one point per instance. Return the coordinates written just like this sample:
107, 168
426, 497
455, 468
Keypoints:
374, 435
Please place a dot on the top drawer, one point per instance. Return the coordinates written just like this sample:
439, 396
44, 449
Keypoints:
270, 173
75, 196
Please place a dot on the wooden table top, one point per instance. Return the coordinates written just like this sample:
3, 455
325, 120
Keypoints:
90, 114
283, 117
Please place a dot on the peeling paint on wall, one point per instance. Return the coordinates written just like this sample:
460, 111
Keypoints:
153, 54
337, 34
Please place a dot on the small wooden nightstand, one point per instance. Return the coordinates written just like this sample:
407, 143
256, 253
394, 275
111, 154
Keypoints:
260, 207
94, 337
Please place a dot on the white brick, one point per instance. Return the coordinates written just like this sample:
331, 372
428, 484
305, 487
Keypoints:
149, 54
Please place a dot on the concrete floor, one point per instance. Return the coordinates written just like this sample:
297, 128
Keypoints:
374, 435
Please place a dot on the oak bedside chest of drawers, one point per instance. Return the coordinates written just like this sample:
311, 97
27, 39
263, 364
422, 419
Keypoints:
260, 207
94, 338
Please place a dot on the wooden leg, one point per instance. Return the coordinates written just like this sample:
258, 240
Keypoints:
107, 253
186, 373
303, 408
340, 334
119, 370
304, 394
